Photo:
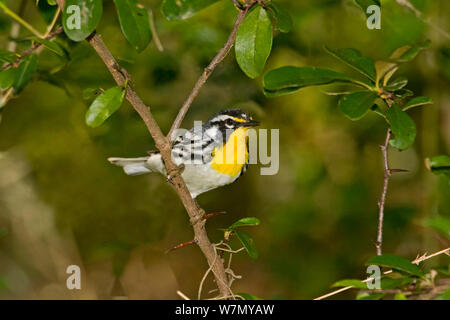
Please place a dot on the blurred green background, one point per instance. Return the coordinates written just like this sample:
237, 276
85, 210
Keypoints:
62, 203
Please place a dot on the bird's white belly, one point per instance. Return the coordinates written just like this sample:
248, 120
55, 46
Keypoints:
201, 178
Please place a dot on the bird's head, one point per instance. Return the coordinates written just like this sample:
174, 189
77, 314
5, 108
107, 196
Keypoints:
232, 119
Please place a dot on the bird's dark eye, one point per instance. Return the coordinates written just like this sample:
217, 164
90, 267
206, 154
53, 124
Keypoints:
229, 122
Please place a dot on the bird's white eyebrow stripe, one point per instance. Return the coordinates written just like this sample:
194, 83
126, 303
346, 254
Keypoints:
222, 118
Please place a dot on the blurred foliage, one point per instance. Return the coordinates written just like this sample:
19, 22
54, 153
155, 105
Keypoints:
318, 214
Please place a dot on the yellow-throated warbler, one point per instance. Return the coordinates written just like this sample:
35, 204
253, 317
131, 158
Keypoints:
212, 155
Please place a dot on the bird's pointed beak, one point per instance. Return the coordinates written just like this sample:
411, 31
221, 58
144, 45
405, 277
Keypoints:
250, 123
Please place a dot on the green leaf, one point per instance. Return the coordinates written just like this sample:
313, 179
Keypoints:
283, 20
350, 283
104, 106
355, 105
439, 164
25, 72
289, 79
417, 101
7, 78
134, 22
81, 17
51, 2
370, 296
245, 222
254, 42
396, 84
400, 296
397, 263
247, 242
248, 296
364, 4
51, 45
356, 60
440, 224
183, 9
402, 126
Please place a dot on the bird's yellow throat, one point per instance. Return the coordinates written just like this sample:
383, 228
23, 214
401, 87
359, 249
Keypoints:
232, 155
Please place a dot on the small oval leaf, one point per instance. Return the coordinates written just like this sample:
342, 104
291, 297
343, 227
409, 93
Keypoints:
402, 126
81, 17
396, 262
247, 242
134, 23
254, 42
104, 106
245, 222
355, 105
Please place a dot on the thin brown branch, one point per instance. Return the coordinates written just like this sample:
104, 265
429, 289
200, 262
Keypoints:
418, 260
208, 71
120, 75
382, 201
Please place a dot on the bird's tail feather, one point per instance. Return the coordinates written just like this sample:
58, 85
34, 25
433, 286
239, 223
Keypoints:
142, 165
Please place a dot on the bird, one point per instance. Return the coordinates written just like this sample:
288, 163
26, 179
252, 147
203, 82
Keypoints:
209, 155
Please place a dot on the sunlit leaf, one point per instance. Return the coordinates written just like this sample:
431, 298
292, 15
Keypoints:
283, 20
402, 126
355, 105
254, 42
397, 263
244, 222
81, 17
104, 106
134, 23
